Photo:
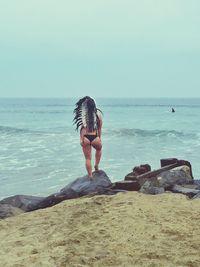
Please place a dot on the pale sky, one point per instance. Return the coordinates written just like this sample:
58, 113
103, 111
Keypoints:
103, 48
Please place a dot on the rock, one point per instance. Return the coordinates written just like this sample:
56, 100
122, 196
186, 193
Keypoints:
196, 196
84, 185
168, 161
7, 210
80, 187
166, 180
191, 185
51, 201
127, 185
147, 188
130, 177
179, 175
138, 170
172, 172
179, 162
197, 184
190, 192
142, 169
150, 175
23, 202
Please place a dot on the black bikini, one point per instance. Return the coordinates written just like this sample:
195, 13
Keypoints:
90, 137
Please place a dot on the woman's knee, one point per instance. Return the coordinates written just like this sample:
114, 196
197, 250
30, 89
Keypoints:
99, 148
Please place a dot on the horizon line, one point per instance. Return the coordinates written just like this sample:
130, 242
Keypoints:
111, 97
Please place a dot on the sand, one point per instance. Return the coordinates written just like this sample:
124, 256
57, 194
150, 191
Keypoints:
128, 229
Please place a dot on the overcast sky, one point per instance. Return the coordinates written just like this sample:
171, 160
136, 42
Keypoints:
110, 48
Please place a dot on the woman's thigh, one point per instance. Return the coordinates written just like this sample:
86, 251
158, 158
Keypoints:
96, 143
86, 150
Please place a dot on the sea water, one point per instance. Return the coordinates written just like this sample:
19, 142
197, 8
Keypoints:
40, 151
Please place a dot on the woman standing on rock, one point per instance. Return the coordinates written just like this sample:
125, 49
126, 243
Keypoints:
88, 118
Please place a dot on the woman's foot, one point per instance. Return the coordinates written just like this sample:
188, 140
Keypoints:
91, 177
96, 167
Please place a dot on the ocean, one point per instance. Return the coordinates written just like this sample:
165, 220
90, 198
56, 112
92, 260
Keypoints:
40, 151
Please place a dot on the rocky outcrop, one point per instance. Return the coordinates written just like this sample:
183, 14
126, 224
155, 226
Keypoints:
80, 187
166, 180
174, 175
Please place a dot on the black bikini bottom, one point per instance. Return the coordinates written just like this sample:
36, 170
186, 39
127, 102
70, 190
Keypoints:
90, 137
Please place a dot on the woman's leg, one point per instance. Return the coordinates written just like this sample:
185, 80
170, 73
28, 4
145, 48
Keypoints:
87, 153
98, 146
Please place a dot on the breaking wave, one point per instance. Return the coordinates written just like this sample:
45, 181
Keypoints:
151, 133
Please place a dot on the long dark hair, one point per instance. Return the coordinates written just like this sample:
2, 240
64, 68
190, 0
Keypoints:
86, 114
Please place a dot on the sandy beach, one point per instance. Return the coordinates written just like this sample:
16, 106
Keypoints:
128, 229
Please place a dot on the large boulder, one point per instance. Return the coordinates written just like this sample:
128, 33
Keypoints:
179, 175
179, 162
85, 185
166, 180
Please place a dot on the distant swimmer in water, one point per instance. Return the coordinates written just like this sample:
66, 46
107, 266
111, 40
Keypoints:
173, 110
88, 118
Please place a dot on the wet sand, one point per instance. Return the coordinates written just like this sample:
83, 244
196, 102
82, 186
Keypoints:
128, 229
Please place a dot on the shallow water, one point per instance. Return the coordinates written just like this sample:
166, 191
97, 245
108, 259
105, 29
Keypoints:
40, 151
